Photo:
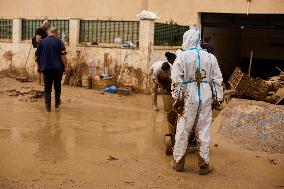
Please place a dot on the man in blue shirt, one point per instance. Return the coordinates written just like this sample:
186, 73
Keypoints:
51, 54
207, 46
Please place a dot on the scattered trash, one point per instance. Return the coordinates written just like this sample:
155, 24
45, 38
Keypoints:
103, 83
128, 44
144, 15
130, 182
87, 82
97, 77
117, 40
23, 79
70, 100
75, 73
272, 161
24, 93
216, 145
124, 91
276, 89
94, 43
112, 89
111, 158
105, 76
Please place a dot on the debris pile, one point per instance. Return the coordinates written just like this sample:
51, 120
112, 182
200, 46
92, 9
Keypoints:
23, 93
124, 91
101, 82
255, 125
16, 73
71, 100
245, 86
276, 89
105, 82
23, 79
111, 158
112, 89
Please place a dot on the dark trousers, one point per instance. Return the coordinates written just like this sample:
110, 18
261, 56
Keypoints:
52, 77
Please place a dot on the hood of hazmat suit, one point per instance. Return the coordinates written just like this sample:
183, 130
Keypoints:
196, 78
191, 39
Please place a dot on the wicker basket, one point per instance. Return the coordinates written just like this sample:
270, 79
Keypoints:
248, 86
103, 83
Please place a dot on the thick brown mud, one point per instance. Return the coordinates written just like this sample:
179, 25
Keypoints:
107, 141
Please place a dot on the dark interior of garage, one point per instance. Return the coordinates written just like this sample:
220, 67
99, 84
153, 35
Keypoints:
237, 38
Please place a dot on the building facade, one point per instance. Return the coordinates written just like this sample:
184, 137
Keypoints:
184, 12
236, 27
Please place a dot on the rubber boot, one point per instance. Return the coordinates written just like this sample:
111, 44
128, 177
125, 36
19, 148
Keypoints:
48, 107
204, 167
57, 103
178, 166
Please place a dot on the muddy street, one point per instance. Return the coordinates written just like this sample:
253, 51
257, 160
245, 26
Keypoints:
108, 141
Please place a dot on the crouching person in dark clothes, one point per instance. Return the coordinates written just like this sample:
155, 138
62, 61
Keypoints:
51, 54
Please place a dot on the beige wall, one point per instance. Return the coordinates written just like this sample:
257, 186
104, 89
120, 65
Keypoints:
181, 11
130, 64
133, 71
90, 9
186, 11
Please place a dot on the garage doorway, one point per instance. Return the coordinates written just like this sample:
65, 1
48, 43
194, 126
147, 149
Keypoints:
235, 36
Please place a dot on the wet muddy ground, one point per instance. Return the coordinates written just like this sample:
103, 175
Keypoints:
107, 141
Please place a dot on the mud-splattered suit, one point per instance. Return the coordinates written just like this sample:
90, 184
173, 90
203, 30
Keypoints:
195, 75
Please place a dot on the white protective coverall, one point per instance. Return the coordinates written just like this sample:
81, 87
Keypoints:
197, 98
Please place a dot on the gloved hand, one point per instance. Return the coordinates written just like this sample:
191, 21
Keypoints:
216, 105
178, 106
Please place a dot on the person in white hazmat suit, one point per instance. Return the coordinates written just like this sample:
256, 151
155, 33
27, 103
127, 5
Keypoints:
196, 87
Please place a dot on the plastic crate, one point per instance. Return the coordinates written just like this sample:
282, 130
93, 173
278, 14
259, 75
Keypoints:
235, 78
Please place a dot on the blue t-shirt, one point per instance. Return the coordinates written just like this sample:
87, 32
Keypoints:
209, 48
49, 54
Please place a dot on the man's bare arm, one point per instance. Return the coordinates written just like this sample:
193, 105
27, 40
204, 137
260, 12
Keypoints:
64, 60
